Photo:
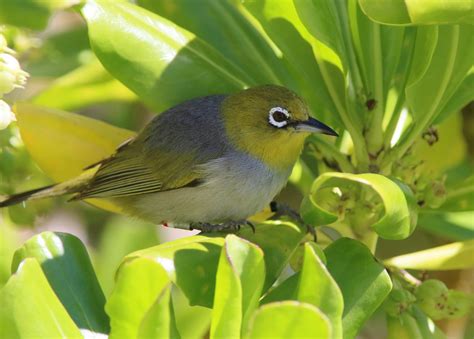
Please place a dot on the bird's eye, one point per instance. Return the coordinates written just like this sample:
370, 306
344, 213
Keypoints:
278, 117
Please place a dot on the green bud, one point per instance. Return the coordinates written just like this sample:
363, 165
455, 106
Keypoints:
435, 194
432, 297
11, 74
6, 115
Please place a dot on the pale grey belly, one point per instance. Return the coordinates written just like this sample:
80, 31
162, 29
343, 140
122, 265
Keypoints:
235, 188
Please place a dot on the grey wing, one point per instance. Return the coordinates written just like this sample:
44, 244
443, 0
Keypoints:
165, 155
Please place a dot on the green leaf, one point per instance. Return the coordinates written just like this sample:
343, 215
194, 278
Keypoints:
239, 282
418, 12
363, 281
66, 265
461, 97
454, 256
223, 26
191, 264
399, 216
289, 319
454, 225
32, 14
152, 56
278, 240
86, 85
30, 309
317, 287
140, 292
158, 321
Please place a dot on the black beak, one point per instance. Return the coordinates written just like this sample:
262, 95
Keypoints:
314, 126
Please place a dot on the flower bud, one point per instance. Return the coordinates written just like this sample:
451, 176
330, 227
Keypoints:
6, 115
432, 297
11, 74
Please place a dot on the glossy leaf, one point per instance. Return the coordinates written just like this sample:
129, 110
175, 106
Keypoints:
364, 283
86, 85
152, 56
398, 219
239, 282
30, 309
454, 256
192, 262
418, 12
142, 287
461, 97
221, 24
317, 287
158, 321
289, 319
72, 143
66, 265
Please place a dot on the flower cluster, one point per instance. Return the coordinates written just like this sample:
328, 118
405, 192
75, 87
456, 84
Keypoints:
11, 77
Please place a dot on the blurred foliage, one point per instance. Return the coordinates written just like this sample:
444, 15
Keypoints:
404, 160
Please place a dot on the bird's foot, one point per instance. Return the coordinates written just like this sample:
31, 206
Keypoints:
229, 226
283, 210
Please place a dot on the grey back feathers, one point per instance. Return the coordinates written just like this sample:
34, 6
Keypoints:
166, 154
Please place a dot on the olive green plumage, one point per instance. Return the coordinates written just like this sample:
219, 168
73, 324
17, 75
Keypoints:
211, 159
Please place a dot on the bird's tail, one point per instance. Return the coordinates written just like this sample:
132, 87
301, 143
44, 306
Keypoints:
68, 187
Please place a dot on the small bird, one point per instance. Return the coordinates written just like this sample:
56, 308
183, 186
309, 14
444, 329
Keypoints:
208, 163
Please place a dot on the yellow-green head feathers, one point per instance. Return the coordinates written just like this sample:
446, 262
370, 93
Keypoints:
269, 122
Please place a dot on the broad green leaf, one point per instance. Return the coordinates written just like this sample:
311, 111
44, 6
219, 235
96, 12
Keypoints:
121, 236
418, 12
454, 225
286, 290
278, 240
317, 287
223, 26
140, 289
86, 85
66, 265
153, 57
363, 281
191, 263
398, 219
32, 14
282, 24
239, 282
461, 97
30, 309
446, 70
460, 197
289, 319
158, 321
72, 143
454, 256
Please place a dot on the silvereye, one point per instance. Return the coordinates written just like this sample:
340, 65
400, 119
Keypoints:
208, 163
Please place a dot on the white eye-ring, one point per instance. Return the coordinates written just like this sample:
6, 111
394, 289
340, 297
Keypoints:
278, 117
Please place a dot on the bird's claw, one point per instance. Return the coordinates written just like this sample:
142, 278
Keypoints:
281, 210
229, 226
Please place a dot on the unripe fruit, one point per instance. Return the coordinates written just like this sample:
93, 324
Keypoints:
432, 297
459, 304
398, 301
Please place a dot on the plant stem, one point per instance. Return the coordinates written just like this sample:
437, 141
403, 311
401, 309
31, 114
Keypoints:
374, 135
333, 152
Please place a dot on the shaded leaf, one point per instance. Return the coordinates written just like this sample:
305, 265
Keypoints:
454, 256
86, 85
66, 265
454, 225
418, 12
239, 282
136, 296
152, 56
317, 287
364, 282
289, 319
31, 309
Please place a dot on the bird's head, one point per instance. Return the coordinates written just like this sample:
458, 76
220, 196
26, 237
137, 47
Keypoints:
271, 123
